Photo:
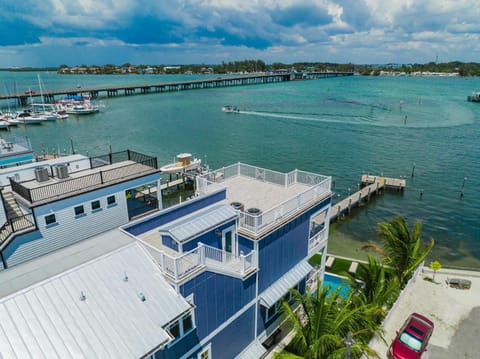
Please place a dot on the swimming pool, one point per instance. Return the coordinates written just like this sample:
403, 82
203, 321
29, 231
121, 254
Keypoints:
335, 281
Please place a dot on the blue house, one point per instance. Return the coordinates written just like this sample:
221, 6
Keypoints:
205, 277
235, 251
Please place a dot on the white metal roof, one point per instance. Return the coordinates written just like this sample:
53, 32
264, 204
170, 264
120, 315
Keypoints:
277, 290
49, 319
201, 221
254, 351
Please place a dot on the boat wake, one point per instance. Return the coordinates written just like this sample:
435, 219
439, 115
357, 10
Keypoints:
300, 118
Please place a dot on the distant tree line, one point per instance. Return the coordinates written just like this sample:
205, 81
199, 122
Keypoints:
256, 66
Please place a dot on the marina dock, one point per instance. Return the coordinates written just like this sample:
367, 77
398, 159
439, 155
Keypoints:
370, 185
216, 82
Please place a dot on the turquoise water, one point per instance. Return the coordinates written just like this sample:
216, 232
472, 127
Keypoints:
334, 282
340, 127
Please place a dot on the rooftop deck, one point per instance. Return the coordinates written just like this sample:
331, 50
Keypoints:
265, 198
103, 171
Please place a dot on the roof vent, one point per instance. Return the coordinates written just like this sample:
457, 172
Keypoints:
142, 297
61, 171
82, 296
237, 206
41, 174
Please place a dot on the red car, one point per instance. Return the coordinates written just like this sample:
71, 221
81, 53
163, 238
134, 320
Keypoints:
411, 341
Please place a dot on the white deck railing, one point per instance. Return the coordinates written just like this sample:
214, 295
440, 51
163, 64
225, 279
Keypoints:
316, 241
254, 223
202, 256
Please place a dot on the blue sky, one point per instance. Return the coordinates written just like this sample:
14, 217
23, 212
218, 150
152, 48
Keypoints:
75, 32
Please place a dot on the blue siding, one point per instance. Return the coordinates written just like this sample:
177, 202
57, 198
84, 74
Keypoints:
208, 238
175, 212
235, 337
180, 347
284, 248
167, 241
245, 245
217, 297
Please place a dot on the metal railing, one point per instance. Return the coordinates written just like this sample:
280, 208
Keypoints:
319, 186
203, 256
16, 224
84, 183
315, 241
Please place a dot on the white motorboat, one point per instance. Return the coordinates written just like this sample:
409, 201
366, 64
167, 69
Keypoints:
230, 108
184, 163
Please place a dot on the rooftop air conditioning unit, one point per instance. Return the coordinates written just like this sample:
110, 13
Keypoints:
255, 218
61, 171
237, 206
41, 174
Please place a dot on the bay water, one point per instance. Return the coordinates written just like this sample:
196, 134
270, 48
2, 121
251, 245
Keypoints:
340, 127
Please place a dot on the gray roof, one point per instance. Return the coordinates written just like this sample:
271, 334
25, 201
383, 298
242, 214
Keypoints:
200, 222
277, 290
254, 351
50, 320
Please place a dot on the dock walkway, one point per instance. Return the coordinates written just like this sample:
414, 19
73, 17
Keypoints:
370, 185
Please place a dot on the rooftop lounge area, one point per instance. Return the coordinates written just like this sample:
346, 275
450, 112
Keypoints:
265, 198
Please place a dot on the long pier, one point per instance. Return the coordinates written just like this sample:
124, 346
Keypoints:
128, 90
370, 185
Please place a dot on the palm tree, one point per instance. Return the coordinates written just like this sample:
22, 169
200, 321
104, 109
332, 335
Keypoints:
321, 323
402, 249
372, 286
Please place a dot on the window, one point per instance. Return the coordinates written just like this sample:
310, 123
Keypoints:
175, 329
79, 210
95, 205
187, 323
110, 200
181, 327
205, 353
50, 219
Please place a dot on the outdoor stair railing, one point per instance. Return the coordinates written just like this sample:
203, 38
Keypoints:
15, 224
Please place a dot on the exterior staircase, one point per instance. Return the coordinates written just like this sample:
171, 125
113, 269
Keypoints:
16, 219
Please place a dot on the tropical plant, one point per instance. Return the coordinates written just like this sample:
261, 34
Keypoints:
321, 323
435, 266
402, 249
373, 286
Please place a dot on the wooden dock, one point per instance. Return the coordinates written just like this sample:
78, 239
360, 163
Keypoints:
370, 185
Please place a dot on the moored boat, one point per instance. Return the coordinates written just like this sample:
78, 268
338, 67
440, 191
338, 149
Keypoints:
474, 97
184, 163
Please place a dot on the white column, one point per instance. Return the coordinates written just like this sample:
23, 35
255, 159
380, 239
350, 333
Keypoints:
159, 195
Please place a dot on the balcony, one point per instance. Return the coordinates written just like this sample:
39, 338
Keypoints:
265, 198
181, 266
104, 171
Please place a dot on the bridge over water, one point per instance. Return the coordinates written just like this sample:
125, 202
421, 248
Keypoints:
128, 90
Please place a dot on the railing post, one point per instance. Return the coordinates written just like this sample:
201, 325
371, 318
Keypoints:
101, 177
242, 263
201, 248
162, 261
175, 267
128, 154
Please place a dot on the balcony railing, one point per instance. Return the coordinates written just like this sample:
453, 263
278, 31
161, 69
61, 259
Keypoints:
317, 241
255, 223
14, 225
84, 183
203, 256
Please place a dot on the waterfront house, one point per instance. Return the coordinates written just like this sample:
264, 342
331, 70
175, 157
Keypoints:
49, 204
201, 279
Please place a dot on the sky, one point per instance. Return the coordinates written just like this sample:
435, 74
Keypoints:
98, 32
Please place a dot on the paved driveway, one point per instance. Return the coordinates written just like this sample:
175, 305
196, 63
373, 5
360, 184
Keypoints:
455, 312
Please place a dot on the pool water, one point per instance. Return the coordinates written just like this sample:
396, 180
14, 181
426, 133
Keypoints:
334, 281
